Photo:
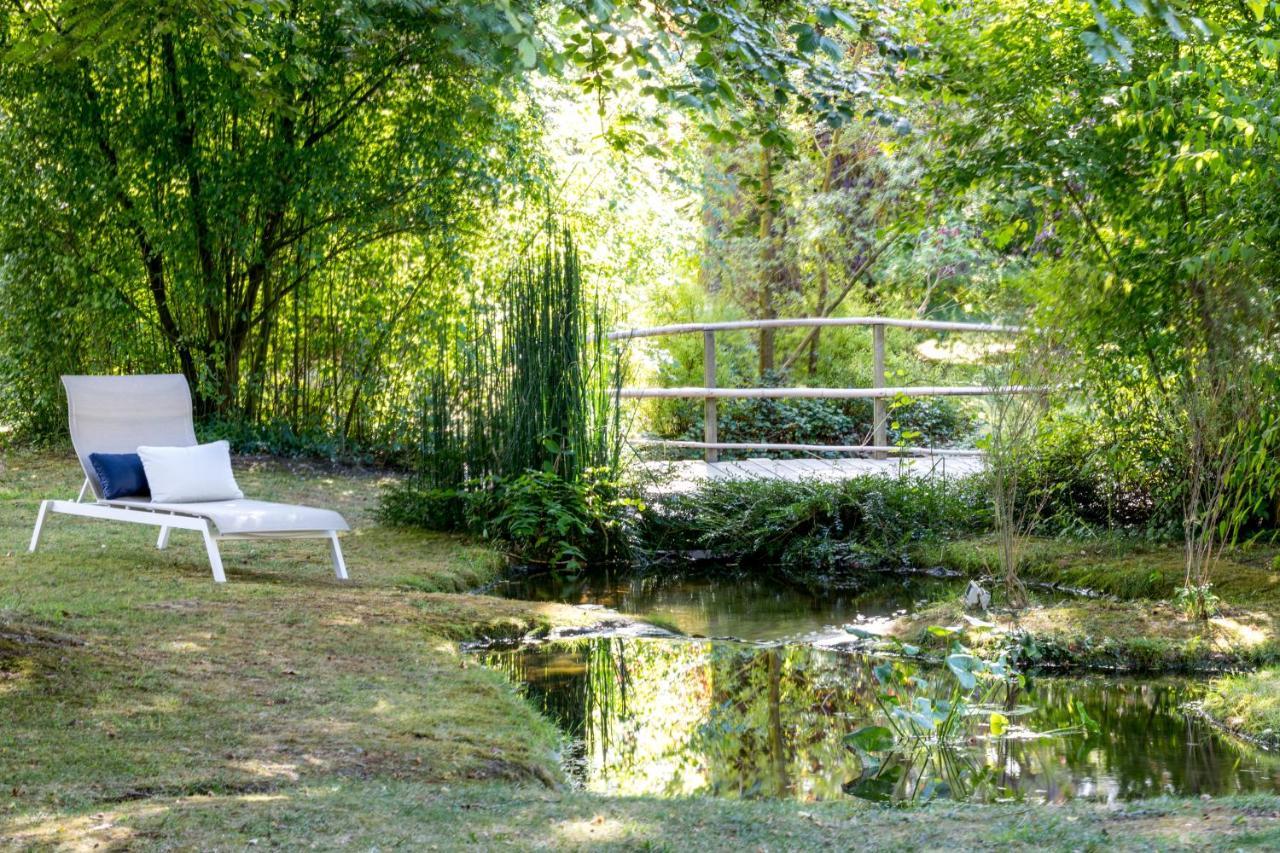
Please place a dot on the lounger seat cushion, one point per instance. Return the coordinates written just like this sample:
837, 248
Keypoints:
247, 517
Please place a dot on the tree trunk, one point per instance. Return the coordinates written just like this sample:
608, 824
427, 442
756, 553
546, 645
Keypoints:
710, 227
823, 282
768, 262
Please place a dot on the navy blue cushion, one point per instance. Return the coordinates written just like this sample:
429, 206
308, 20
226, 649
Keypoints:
121, 475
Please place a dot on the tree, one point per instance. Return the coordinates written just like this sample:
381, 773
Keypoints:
193, 176
218, 158
1133, 157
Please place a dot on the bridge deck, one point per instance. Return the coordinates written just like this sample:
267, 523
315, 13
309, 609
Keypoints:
683, 476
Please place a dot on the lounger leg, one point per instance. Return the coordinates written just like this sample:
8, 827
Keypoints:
35, 534
215, 559
339, 565
162, 541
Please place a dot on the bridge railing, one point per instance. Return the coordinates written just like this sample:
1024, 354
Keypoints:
878, 393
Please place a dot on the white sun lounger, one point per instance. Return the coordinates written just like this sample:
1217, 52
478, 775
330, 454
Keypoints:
117, 414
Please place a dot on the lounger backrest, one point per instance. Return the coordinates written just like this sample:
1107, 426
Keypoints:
116, 414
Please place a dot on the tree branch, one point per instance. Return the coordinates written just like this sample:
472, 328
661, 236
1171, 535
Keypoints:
152, 260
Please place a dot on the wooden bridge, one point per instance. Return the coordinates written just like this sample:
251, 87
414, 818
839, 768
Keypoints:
877, 457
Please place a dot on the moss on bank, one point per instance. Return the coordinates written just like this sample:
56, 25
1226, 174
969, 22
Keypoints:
142, 706
1134, 636
1123, 567
1132, 626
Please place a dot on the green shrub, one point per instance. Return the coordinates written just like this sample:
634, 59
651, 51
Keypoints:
934, 422
543, 519
813, 529
537, 518
409, 504
277, 437
1082, 485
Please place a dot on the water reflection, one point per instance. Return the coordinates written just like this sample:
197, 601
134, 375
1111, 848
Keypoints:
680, 717
752, 607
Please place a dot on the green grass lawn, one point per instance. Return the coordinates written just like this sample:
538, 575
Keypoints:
143, 706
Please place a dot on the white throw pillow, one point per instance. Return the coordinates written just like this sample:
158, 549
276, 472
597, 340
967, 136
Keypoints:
201, 472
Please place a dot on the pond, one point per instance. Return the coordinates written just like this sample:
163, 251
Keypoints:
744, 607
677, 716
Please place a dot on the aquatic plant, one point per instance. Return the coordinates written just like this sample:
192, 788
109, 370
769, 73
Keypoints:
914, 754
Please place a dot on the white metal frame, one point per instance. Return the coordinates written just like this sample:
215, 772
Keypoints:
168, 520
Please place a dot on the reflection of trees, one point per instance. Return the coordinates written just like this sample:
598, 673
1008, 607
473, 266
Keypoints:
643, 719
778, 717
1144, 745
674, 717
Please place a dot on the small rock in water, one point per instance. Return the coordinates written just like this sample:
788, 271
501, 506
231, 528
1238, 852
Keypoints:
976, 597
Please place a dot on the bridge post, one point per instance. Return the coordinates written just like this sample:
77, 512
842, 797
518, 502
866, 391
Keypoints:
879, 411
710, 429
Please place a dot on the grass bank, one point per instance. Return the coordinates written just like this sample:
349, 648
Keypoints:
142, 706
1132, 625
1247, 705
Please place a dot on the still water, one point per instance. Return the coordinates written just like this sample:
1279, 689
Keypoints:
742, 607
678, 716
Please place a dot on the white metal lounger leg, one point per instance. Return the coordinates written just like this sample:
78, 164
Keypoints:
215, 559
339, 565
35, 534
162, 541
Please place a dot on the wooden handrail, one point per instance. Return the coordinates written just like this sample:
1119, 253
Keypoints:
709, 393
810, 322
807, 448
826, 393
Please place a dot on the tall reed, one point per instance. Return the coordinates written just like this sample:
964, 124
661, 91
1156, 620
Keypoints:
523, 378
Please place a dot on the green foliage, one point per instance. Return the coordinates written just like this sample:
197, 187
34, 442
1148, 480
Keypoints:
277, 437
813, 529
537, 518
519, 435
277, 198
522, 381
727, 64
1133, 174
413, 505
1197, 601
926, 724
933, 421
544, 519
1075, 476
267, 197
1253, 488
